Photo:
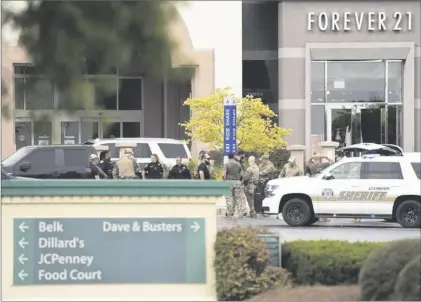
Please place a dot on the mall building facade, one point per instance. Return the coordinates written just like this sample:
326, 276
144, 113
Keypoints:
348, 72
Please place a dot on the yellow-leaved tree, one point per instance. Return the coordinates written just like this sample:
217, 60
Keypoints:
255, 129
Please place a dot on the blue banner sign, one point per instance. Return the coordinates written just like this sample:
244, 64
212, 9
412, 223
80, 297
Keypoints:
230, 125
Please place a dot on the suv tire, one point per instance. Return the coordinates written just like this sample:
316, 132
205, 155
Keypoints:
296, 212
408, 214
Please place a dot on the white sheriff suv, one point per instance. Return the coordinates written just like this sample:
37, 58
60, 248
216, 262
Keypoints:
368, 187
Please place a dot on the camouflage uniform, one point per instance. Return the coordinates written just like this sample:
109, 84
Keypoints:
236, 203
250, 180
266, 169
291, 171
126, 168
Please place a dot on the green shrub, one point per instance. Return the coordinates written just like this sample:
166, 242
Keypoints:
327, 262
408, 286
241, 265
380, 270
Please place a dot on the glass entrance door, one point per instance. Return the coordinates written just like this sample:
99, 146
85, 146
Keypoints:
354, 124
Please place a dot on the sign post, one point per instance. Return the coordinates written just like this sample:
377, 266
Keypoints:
230, 125
109, 251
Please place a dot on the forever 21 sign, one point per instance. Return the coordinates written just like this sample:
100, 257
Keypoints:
370, 21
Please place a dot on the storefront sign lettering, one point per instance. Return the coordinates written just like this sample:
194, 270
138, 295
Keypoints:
370, 21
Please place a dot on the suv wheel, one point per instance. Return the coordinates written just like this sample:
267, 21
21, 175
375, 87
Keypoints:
408, 214
297, 212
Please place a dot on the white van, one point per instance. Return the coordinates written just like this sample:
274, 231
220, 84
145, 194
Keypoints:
166, 149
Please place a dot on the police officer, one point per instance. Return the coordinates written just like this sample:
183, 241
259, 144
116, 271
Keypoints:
250, 180
179, 171
236, 203
153, 170
203, 171
126, 167
92, 171
106, 164
291, 169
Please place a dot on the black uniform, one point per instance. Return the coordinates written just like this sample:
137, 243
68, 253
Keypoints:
179, 172
107, 166
154, 171
92, 171
204, 168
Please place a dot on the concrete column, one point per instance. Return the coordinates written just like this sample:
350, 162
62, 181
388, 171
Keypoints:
328, 149
298, 151
123, 146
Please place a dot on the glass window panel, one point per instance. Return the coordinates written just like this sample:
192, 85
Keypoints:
69, 133
131, 129
173, 150
394, 125
130, 94
42, 133
355, 81
41, 160
318, 82
105, 93
417, 169
111, 130
23, 134
39, 93
89, 131
19, 93
394, 81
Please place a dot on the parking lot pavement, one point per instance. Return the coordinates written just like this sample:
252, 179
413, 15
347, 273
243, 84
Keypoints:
335, 229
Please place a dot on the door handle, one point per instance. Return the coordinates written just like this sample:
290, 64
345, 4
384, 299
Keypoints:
56, 174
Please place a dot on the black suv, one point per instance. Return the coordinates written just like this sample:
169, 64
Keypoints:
49, 162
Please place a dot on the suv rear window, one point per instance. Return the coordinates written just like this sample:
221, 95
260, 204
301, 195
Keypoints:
417, 169
140, 151
382, 170
173, 150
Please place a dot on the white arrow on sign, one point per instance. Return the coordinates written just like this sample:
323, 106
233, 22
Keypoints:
23, 227
195, 226
22, 259
22, 275
22, 243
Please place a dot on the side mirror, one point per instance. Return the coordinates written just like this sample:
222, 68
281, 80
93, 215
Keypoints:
25, 166
328, 176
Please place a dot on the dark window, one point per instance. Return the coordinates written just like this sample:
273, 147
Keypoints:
75, 157
19, 93
417, 169
130, 94
131, 129
142, 151
105, 93
382, 170
111, 130
260, 25
39, 93
260, 79
173, 150
41, 160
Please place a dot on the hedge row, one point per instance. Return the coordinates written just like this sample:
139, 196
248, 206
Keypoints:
384, 271
327, 262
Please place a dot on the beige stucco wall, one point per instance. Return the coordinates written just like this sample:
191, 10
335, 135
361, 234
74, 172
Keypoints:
110, 207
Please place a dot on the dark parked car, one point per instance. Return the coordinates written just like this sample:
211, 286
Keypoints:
49, 162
